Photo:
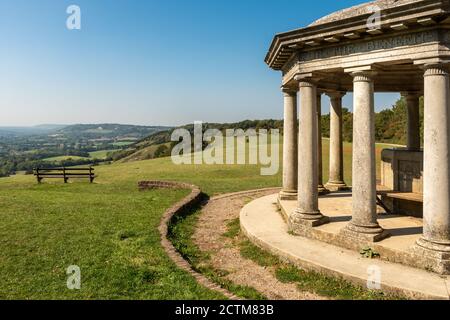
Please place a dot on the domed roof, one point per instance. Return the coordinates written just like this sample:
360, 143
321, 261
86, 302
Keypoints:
361, 9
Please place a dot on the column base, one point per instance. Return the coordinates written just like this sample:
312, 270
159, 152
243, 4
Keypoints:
337, 186
302, 224
442, 247
436, 256
313, 219
323, 190
288, 195
369, 234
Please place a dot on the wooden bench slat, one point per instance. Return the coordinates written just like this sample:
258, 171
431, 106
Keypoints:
409, 196
62, 174
67, 169
59, 177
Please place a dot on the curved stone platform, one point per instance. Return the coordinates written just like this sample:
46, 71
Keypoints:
263, 223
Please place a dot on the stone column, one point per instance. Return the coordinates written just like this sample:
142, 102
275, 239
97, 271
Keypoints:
364, 224
336, 179
412, 103
290, 153
436, 206
307, 213
321, 188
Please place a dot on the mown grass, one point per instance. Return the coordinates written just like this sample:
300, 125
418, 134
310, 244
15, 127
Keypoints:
109, 231
107, 228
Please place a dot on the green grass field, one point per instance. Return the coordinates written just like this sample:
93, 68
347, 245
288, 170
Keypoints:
123, 143
109, 229
100, 155
64, 158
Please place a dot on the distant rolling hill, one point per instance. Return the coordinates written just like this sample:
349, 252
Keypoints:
159, 144
103, 129
34, 130
25, 148
109, 130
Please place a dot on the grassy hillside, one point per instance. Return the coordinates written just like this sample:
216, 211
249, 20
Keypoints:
109, 229
100, 155
144, 153
145, 148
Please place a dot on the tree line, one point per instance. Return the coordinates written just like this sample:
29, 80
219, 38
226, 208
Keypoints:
390, 124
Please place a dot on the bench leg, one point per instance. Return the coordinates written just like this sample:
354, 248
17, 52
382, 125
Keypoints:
381, 203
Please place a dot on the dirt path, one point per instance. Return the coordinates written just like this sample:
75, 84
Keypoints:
225, 254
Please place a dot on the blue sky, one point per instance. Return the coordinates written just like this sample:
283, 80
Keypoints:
155, 62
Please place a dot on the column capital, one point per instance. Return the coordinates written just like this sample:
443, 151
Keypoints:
411, 94
289, 90
363, 76
306, 81
336, 94
436, 69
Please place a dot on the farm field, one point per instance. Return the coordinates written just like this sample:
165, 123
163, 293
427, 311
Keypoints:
63, 158
123, 143
100, 155
109, 229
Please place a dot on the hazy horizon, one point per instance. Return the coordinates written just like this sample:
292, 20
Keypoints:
160, 62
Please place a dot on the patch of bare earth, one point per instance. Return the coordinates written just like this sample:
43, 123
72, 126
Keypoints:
225, 253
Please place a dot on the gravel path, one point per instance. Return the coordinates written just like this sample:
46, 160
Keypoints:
225, 254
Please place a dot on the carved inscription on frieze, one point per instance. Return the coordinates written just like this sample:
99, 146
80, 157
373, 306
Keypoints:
373, 45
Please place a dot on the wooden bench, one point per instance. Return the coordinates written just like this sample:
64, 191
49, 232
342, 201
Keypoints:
400, 202
65, 173
409, 196
401, 184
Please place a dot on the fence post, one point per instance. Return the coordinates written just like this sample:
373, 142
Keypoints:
37, 175
91, 176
